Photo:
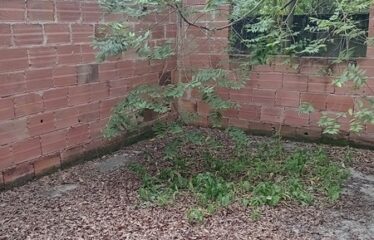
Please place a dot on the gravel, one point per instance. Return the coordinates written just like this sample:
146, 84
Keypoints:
98, 200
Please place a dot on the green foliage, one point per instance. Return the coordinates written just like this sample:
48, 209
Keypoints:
306, 108
274, 35
267, 193
330, 125
196, 215
352, 73
255, 215
127, 116
217, 171
117, 38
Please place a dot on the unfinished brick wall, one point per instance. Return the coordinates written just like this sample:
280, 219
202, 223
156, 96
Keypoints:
271, 99
54, 98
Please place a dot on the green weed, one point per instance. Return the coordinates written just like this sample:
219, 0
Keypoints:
195, 215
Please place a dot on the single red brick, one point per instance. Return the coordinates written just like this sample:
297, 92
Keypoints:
171, 30
91, 12
64, 76
195, 33
28, 104
20, 172
314, 118
28, 34
42, 57
141, 67
89, 112
249, 112
68, 11
239, 97
79, 95
267, 80
88, 54
13, 130
38, 79
66, 117
293, 118
78, 135
99, 91
108, 71
70, 54
13, 59
106, 107
6, 109
339, 103
203, 109
370, 52
271, 114
200, 61
72, 153
312, 66
96, 129
320, 84
287, 131
158, 32
240, 123
53, 142
118, 88
55, 98
41, 123
295, 82
38, 10
5, 35
27, 150
57, 33
309, 132
184, 106
12, 10
369, 129
287, 98
6, 157
263, 97
230, 113
96, 144
46, 164
365, 62
317, 100
82, 33
261, 127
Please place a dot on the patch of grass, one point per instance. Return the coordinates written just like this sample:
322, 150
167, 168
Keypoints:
196, 215
255, 215
218, 171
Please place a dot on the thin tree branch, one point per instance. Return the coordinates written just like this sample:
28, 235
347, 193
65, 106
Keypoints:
185, 19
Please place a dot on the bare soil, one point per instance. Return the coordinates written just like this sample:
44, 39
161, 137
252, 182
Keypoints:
99, 200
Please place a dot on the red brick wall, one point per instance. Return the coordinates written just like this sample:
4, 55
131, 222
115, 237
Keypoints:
54, 98
270, 100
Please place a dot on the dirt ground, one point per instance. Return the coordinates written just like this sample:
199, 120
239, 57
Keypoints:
98, 200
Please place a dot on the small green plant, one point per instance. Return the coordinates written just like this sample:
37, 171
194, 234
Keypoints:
255, 214
211, 188
267, 193
196, 215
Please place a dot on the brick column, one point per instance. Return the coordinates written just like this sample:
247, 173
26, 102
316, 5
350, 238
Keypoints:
370, 50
